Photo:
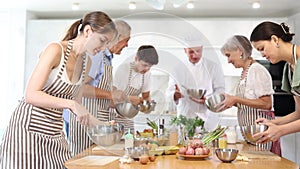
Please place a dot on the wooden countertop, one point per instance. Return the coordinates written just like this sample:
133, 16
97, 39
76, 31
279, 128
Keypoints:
212, 162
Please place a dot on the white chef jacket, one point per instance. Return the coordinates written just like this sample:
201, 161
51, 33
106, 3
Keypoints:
206, 75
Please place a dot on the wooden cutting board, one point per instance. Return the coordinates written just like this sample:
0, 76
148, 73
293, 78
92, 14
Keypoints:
93, 162
267, 155
114, 150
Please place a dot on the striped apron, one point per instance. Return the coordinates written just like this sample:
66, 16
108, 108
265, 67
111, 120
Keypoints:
35, 137
130, 91
98, 107
247, 116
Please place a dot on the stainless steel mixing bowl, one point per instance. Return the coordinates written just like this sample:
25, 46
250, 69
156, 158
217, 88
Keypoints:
106, 135
127, 109
147, 106
249, 131
196, 93
213, 100
226, 155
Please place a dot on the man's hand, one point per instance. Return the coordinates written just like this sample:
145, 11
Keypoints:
177, 94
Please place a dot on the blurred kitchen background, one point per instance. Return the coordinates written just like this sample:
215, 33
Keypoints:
28, 25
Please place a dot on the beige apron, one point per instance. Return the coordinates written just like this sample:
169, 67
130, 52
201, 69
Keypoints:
247, 115
130, 91
98, 107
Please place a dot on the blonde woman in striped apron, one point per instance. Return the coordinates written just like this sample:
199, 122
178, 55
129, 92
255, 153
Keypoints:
254, 94
34, 138
138, 79
97, 94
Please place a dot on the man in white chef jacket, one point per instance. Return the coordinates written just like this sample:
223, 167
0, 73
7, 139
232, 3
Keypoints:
204, 74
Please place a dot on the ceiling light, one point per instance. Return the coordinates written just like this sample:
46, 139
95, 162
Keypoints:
132, 5
75, 6
255, 5
178, 3
190, 5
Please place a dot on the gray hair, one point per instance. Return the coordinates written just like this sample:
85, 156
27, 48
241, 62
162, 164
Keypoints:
238, 42
123, 29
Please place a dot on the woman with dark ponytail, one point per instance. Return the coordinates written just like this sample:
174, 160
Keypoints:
273, 41
35, 137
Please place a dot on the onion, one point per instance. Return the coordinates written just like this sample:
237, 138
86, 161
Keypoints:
182, 150
190, 151
199, 151
197, 143
206, 150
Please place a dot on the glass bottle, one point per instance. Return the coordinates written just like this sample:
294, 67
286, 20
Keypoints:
129, 140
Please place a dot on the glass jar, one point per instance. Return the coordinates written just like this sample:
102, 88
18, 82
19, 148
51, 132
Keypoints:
173, 136
231, 135
223, 141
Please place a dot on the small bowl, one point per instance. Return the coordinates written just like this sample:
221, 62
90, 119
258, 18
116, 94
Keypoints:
196, 93
106, 135
213, 100
249, 131
127, 109
226, 155
136, 152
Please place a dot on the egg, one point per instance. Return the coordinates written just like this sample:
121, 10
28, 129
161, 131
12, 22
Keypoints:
144, 159
152, 158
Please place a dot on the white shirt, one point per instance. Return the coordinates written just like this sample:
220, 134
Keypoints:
206, 75
121, 77
259, 82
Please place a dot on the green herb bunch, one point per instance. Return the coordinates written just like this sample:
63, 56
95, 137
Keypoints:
189, 124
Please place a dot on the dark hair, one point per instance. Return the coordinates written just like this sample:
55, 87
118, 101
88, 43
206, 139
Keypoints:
148, 54
99, 21
265, 30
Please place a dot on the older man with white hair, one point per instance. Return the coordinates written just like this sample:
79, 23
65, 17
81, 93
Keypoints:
206, 74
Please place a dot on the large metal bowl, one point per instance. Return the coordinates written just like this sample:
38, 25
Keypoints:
106, 135
226, 155
213, 100
196, 93
249, 131
127, 109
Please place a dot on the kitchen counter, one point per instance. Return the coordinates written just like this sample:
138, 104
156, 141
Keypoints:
212, 162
